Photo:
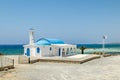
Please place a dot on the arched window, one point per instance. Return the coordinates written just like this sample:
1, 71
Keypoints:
63, 50
67, 51
71, 49
50, 48
38, 50
59, 51
28, 52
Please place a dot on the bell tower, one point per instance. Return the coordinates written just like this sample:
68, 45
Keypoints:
31, 36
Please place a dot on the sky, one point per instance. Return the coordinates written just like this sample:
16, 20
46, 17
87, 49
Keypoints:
73, 21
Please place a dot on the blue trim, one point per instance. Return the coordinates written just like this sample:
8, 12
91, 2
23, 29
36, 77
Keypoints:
59, 51
50, 48
28, 52
38, 50
44, 41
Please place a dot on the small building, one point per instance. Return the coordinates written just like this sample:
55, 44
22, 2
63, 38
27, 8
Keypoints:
45, 47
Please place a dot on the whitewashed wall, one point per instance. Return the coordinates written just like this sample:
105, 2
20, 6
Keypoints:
46, 52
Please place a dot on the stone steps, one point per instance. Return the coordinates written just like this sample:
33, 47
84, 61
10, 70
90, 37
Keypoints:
66, 60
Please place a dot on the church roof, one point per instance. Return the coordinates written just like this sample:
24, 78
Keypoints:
46, 41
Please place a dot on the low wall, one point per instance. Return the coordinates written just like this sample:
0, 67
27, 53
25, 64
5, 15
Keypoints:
6, 63
59, 61
88, 59
27, 60
30, 60
23, 60
8, 67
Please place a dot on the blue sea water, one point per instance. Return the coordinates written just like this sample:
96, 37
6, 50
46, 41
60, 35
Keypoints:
109, 48
11, 49
19, 50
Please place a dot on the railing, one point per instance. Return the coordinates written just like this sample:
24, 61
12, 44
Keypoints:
6, 62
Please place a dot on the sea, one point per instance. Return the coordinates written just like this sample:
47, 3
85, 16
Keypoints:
108, 48
19, 50
12, 49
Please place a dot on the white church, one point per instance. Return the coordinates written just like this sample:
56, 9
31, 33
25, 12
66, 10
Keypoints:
45, 47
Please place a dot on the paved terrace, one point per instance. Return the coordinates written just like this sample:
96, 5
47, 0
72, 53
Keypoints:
79, 59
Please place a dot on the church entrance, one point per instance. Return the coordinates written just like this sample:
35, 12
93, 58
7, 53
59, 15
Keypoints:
63, 52
28, 52
59, 51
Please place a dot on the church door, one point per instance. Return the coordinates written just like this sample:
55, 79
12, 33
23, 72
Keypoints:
28, 52
59, 51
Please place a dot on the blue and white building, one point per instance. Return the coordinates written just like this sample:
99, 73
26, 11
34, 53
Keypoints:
45, 47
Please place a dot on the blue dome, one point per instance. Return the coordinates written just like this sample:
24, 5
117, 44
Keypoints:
44, 41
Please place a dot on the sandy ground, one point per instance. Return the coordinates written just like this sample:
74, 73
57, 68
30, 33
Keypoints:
107, 68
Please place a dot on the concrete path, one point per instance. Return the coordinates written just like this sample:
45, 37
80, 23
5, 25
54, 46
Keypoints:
106, 68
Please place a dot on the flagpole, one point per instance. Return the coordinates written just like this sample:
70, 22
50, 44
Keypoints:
104, 37
103, 46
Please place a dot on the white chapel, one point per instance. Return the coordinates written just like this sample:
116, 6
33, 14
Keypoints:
45, 47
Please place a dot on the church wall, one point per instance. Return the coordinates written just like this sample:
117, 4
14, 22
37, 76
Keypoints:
50, 50
46, 50
32, 50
